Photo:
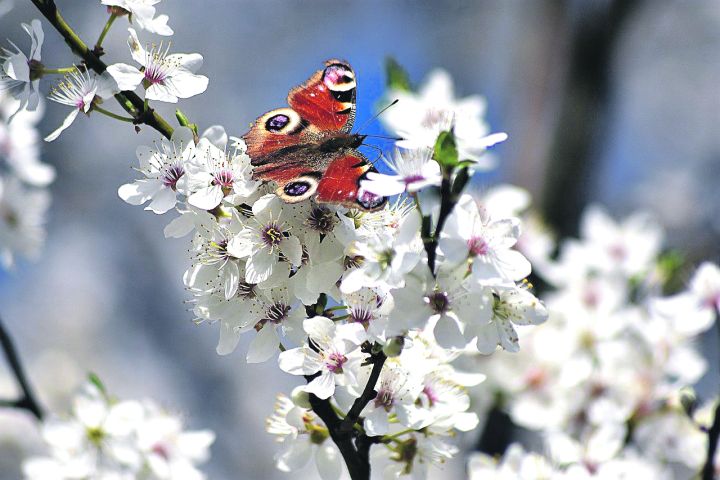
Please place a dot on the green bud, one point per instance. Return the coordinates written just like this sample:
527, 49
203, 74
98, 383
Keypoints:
394, 347
688, 400
300, 397
397, 77
445, 151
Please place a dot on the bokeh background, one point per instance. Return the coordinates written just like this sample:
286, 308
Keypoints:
609, 101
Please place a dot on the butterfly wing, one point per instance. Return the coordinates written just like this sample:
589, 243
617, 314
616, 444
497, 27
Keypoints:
324, 103
286, 145
327, 99
331, 177
340, 184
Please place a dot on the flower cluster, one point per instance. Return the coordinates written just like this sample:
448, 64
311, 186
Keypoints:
601, 380
104, 438
324, 288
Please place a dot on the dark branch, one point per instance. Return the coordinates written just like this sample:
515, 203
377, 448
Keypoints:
27, 401
369, 393
708, 471
131, 102
353, 444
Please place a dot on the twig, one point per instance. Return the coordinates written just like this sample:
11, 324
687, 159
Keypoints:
708, 471
368, 393
27, 401
130, 101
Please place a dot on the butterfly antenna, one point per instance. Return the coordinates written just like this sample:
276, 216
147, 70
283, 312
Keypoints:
374, 117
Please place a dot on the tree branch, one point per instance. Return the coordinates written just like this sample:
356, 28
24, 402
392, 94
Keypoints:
129, 101
353, 445
378, 360
27, 401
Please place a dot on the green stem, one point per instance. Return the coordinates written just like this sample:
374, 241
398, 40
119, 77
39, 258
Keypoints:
336, 307
130, 101
105, 30
112, 115
59, 71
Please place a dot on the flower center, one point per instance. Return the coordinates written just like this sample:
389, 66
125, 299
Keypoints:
431, 395
271, 235
438, 301
434, 117
410, 179
161, 450
321, 219
335, 361
361, 315
172, 174
478, 246
276, 313
385, 258
224, 178
384, 399
246, 290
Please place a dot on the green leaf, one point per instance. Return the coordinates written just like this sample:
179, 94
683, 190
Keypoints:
95, 380
445, 151
397, 76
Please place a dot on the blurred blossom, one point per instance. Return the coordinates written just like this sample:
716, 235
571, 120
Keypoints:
419, 117
22, 220
104, 438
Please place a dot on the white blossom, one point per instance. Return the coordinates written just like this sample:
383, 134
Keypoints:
166, 77
143, 13
19, 75
326, 353
80, 90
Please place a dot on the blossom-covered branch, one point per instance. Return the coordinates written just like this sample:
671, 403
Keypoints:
128, 100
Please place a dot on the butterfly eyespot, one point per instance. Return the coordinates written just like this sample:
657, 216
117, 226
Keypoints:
339, 78
296, 189
370, 201
277, 122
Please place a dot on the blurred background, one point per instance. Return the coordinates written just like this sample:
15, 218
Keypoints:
609, 101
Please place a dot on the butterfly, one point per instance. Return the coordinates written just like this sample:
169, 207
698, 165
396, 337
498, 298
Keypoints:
307, 148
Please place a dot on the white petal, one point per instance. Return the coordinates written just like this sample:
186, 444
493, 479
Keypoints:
180, 226
229, 338
162, 93
136, 49
300, 361
328, 461
319, 328
448, 333
163, 201
323, 386
291, 248
264, 345
296, 455
126, 76
66, 123
206, 198
260, 266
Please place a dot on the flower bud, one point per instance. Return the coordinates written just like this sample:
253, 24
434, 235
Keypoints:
688, 400
300, 397
394, 347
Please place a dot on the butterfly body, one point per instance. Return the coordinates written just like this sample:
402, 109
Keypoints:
307, 148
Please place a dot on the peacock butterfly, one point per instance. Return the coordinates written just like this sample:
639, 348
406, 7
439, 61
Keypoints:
307, 149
